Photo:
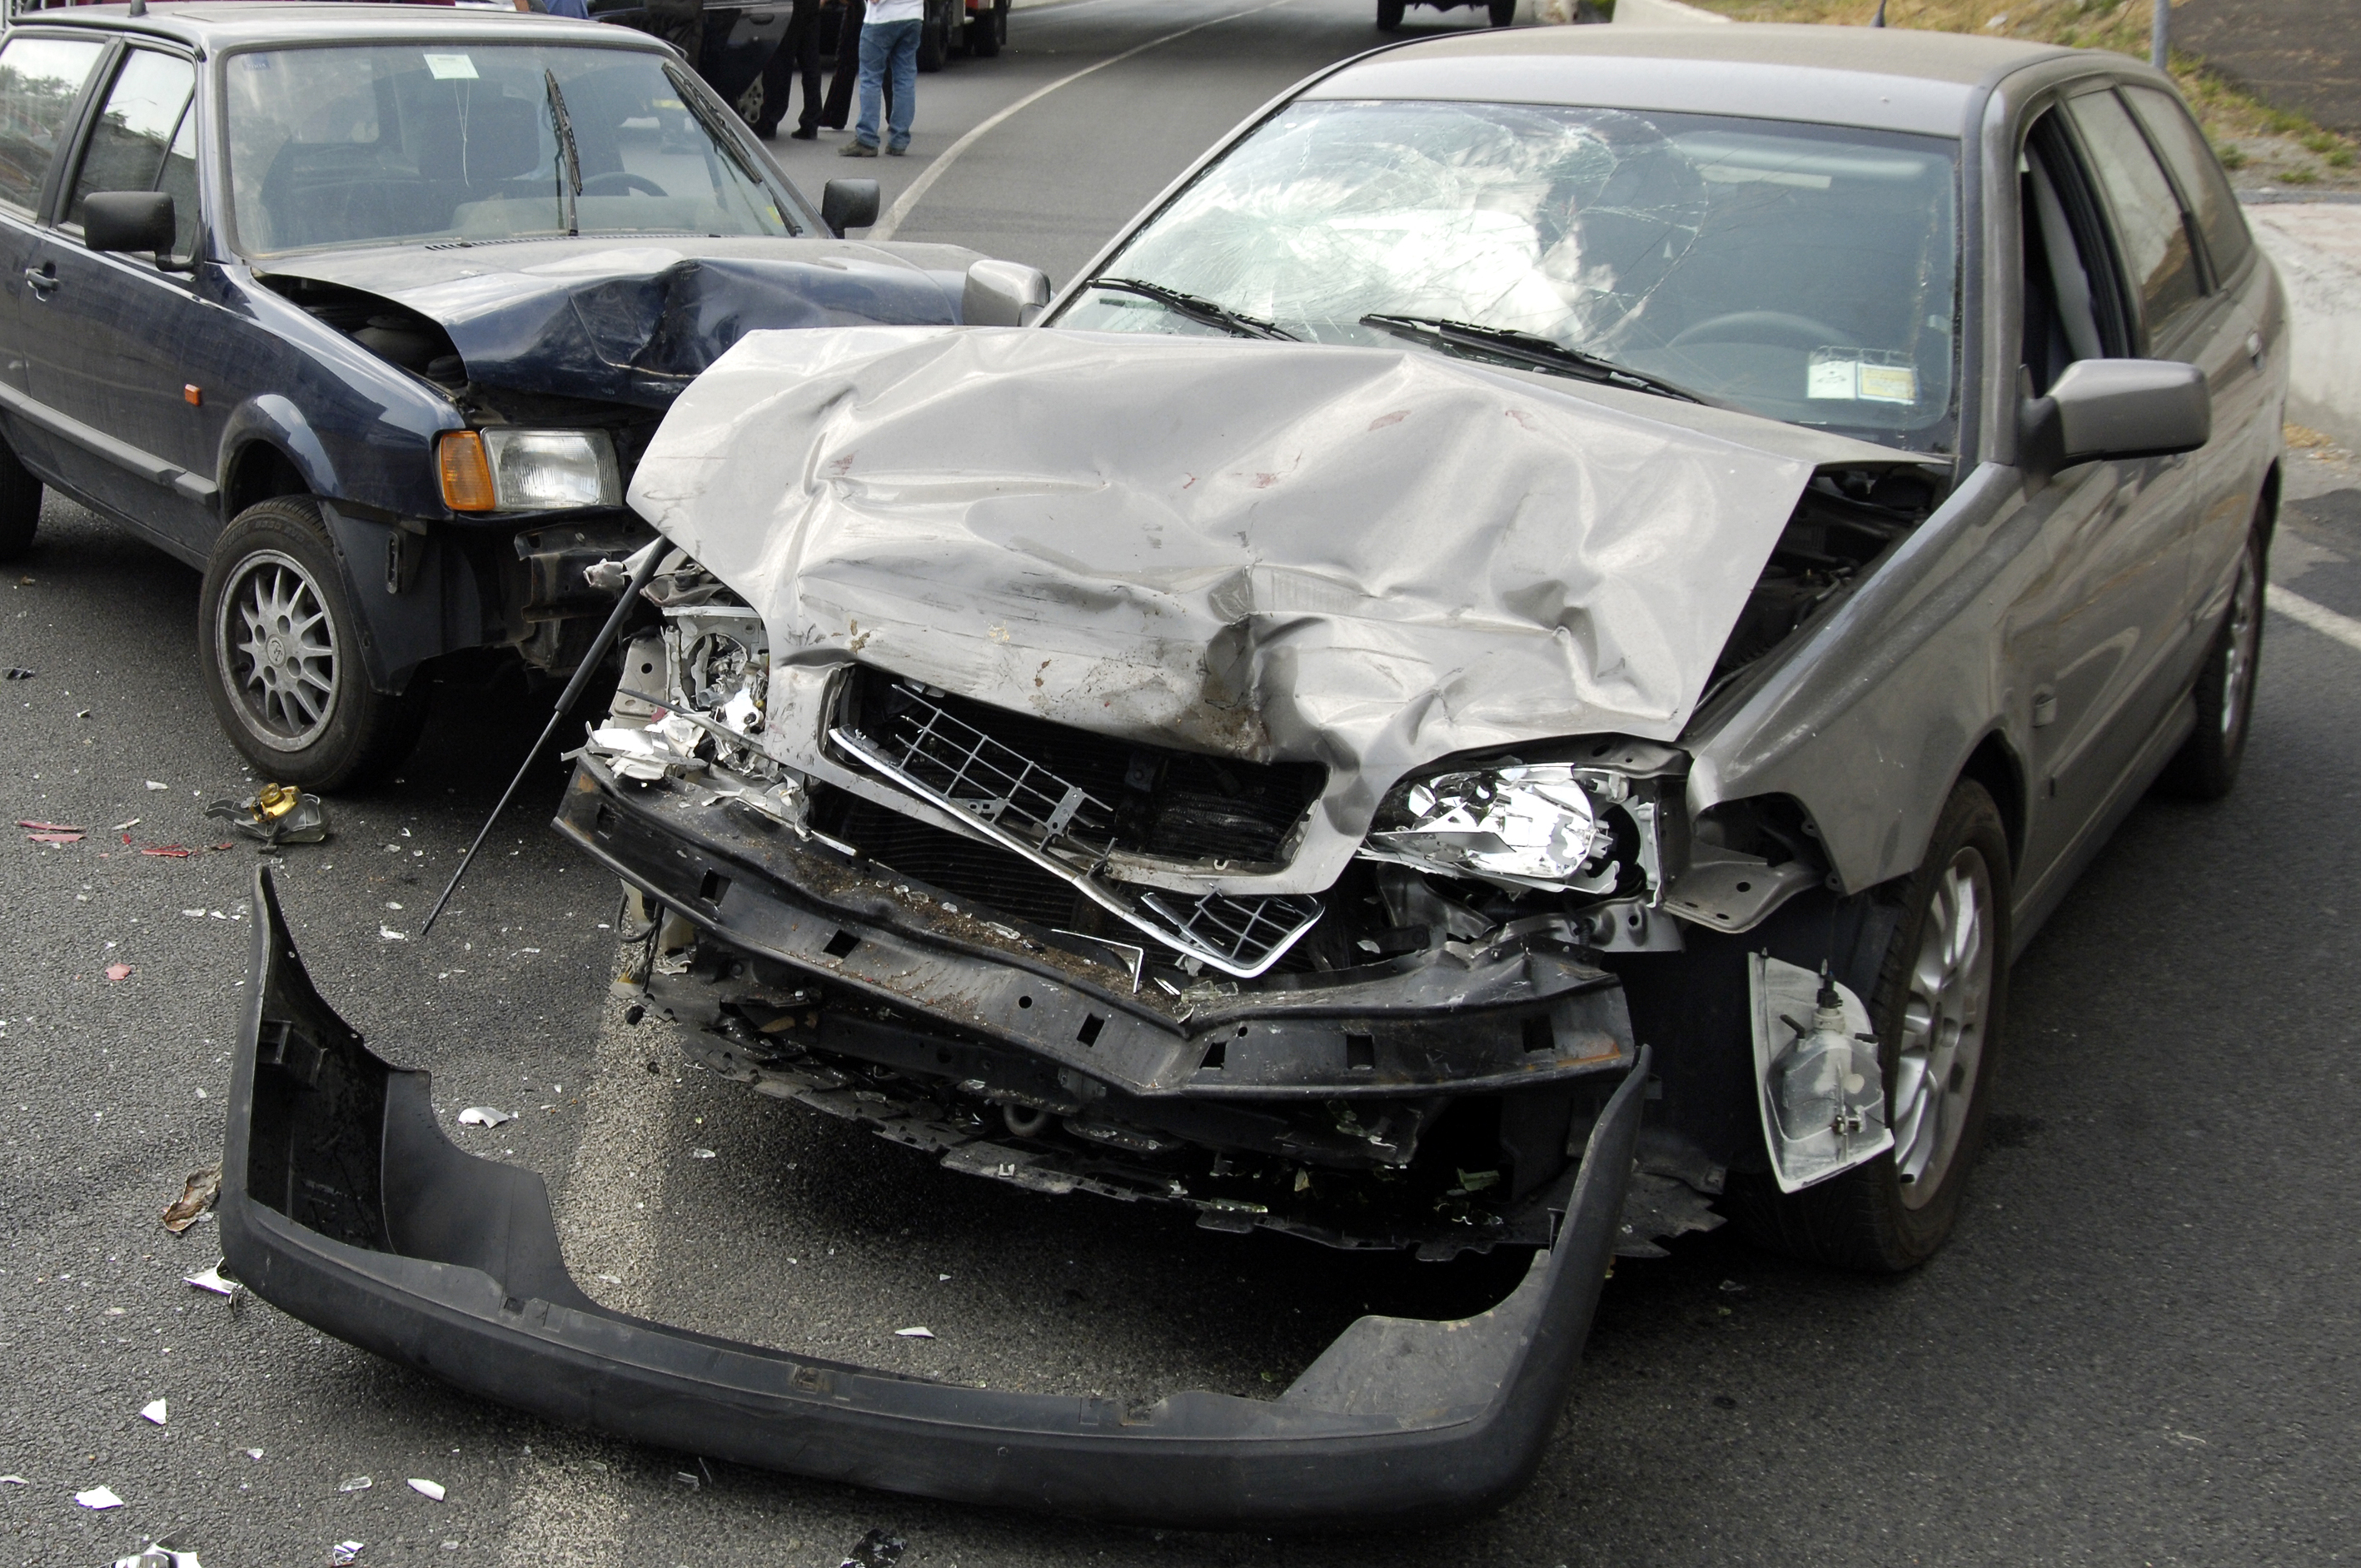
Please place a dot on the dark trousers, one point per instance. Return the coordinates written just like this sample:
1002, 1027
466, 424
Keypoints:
848, 66
798, 56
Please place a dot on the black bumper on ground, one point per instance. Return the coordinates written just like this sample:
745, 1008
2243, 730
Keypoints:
344, 1204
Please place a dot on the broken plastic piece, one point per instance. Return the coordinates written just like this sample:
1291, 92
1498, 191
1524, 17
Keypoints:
153, 784
159, 1555
346, 1552
354, 1484
1821, 1091
484, 1116
197, 1195
426, 1488
51, 833
40, 827
118, 971
700, 1154
275, 814
168, 852
98, 1497
211, 1279
875, 1550
18, 673
920, 1332
14, 1481
153, 1410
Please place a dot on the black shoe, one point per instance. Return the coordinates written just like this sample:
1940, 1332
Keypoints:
804, 133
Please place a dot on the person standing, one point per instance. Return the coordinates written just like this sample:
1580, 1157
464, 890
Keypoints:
847, 49
797, 55
889, 45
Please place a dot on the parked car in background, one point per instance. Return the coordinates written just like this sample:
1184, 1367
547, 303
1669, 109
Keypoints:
1563, 607
370, 311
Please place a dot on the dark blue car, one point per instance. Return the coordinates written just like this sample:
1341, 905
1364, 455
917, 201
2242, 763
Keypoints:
368, 311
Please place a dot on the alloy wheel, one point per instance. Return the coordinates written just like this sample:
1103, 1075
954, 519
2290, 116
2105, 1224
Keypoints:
1943, 1019
276, 644
2238, 656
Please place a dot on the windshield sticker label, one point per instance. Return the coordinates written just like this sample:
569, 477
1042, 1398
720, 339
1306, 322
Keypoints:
451, 68
1862, 375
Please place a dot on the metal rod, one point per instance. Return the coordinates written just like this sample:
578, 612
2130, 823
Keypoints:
641, 578
2159, 42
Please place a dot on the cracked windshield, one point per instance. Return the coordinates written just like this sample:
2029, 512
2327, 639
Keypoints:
344, 147
1793, 271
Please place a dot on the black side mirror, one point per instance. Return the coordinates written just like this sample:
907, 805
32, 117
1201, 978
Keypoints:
2104, 409
128, 220
1002, 293
848, 204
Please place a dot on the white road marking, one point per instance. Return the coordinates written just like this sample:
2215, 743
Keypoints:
567, 1507
2319, 616
909, 199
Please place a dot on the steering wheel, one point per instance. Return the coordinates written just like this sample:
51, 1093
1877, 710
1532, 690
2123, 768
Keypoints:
1751, 327
621, 182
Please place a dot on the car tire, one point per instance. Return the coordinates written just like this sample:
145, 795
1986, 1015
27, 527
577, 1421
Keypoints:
1389, 15
20, 506
2206, 766
279, 645
988, 32
1941, 997
933, 49
1504, 13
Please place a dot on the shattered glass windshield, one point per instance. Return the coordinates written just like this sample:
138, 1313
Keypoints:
1808, 273
422, 142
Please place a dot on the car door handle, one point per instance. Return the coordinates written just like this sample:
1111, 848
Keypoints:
42, 279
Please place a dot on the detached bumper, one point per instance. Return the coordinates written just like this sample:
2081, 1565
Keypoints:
344, 1204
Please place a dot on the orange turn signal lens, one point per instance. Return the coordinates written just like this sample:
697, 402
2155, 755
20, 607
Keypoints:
466, 476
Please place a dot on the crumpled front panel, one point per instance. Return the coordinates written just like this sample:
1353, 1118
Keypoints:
1366, 557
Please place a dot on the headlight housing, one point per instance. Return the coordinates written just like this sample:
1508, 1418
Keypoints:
528, 470
1550, 826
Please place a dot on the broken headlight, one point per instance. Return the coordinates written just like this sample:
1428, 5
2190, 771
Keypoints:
529, 470
1553, 826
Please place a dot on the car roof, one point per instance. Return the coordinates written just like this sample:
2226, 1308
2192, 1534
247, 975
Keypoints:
214, 25
1881, 78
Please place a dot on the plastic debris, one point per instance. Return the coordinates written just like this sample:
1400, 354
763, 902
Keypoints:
920, 1333
118, 971
389, 934
484, 1116
211, 1279
683, 1478
98, 1497
701, 1154
427, 1488
125, 826
197, 1195
159, 1555
51, 832
346, 1552
14, 1481
18, 673
168, 852
274, 815
875, 1550
153, 784
153, 1410
354, 1484
254, 1453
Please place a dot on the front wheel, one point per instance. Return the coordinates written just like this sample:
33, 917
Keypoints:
20, 506
1389, 15
1941, 992
1504, 11
2206, 766
280, 650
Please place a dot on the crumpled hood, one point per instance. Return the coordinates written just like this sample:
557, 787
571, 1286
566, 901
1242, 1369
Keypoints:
637, 323
1366, 557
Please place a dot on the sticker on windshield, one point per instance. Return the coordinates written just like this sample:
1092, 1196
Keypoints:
1862, 375
451, 68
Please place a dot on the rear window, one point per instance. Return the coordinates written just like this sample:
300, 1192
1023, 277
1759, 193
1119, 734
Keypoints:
40, 80
2200, 173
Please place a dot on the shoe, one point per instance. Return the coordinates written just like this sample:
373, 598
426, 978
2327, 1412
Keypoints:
857, 149
804, 132
897, 151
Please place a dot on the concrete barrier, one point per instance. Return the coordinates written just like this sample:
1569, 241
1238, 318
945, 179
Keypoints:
2318, 248
1665, 14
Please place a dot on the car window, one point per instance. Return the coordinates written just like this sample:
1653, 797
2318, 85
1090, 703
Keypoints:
2149, 225
386, 144
40, 80
2200, 173
131, 142
179, 182
1803, 272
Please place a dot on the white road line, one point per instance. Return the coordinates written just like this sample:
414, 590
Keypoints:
2319, 616
909, 198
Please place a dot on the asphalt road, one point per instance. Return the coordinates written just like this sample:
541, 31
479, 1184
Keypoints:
2139, 1350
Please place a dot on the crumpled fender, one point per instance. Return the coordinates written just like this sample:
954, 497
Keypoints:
343, 1203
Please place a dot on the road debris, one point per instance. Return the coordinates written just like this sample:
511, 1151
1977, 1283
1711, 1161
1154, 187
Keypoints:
346, 1552
920, 1332
254, 1453
51, 832
18, 673
683, 1478
14, 1481
125, 826
274, 815
159, 1555
168, 852
98, 1498
701, 1154
153, 1410
354, 1484
425, 1489
118, 971
153, 784
875, 1550
196, 1196
211, 1279
389, 934
484, 1116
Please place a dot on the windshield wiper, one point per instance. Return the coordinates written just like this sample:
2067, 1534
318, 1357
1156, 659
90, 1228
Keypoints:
714, 130
1202, 311
1526, 348
569, 159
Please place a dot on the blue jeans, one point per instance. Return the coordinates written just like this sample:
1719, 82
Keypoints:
883, 46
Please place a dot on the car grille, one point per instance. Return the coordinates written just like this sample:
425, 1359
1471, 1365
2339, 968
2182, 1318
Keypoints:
985, 876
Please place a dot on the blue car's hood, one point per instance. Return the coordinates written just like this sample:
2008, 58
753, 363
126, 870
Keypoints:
637, 323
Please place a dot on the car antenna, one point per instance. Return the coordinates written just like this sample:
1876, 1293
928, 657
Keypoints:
643, 571
1879, 20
